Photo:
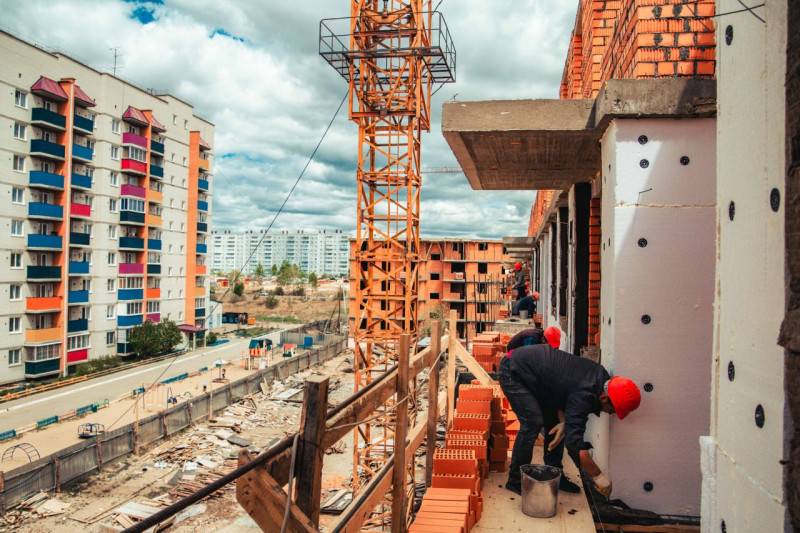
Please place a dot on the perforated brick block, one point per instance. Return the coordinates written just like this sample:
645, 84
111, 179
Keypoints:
477, 446
455, 461
471, 421
475, 392
479, 407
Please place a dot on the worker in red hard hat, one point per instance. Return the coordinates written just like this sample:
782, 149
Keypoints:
519, 281
553, 336
539, 381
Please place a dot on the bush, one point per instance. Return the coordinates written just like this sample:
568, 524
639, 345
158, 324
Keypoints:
238, 289
271, 302
211, 338
299, 291
278, 291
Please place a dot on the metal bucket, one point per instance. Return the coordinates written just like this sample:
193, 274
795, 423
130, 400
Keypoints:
523, 314
540, 490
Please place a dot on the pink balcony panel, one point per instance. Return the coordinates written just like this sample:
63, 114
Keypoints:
154, 317
80, 210
131, 268
133, 190
78, 356
132, 138
132, 165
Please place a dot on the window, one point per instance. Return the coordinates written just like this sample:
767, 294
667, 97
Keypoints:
114, 179
110, 311
174, 119
434, 296
14, 324
186, 124
435, 257
14, 357
171, 202
434, 276
15, 292
184, 164
20, 99
16, 260
130, 283
19, 131
137, 154
114, 126
199, 303
112, 258
169, 248
132, 204
172, 157
153, 307
483, 246
78, 342
16, 228
110, 338
19, 163
112, 205
110, 284
112, 233
182, 247
114, 152
183, 206
133, 308
48, 105
17, 196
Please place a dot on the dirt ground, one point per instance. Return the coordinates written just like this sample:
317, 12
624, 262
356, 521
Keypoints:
164, 474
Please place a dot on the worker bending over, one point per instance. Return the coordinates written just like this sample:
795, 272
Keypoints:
538, 381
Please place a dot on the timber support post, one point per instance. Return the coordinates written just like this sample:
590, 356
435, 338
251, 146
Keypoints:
433, 397
311, 452
401, 432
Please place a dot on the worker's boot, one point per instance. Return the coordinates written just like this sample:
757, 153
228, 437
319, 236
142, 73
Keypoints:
568, 486
514, 487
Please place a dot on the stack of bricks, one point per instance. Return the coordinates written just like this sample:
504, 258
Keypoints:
499, 441
446, 511
595, 235
488, 348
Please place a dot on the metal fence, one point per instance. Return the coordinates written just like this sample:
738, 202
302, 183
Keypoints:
55, 470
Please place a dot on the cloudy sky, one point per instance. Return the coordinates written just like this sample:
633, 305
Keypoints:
252, 68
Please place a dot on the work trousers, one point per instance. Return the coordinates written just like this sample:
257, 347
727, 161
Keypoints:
532, 415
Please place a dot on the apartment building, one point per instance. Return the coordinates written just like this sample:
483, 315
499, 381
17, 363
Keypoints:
107, 211
324, 252
465, 275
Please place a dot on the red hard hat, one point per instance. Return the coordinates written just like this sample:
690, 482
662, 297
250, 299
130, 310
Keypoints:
517, 266
553, 336
624, 394
535, 295
527, 283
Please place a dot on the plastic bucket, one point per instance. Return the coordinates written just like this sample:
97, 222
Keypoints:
523, 314
540, 490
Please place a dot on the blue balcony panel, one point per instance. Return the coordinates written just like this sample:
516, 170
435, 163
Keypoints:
78, 268
81, 152
46, 180
81, 180
77, 297
49, 211
154, 269
42, 148
202, 249
35, 369
79, 239
202, 227
131, 243
202, 185
202, 206
83, 123
43, 272
45, 242
76, 326
44, 117
156, 171
200, 312
131, 216
130, 294
154, 244
157, 147
126, 321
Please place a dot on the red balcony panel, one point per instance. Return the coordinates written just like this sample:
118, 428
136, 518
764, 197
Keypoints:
80, 210
78, 356
131, 165
132, 138
133, 190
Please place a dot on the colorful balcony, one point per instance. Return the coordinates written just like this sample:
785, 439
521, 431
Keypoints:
155, 196
131, 217
134, 139
133, 190
43, 305
156, 171
77, 297
39, 336
77, 326
45, 242
153, 220
47, 149
131, 166
202, 206
80, 210
43, 273
200, 269
153, 294
130, 294
200, 312
79, 239
45, 211
154, 317
157, 147
202, 185
37, 369
44, 118
202, 227
131, 243
83, 153
128, 269
81, 180
154, 244
203, 163
153, 269
202, 249
200, 291
78, 268
127, 321
83, 124
46, 180
77, 356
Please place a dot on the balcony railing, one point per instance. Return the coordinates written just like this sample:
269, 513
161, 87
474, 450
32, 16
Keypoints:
154, 317
79, 239
78, 268
156, 171
200, 291
153, 294
131, 243
154, 244
132, 138
202, 163
200, 312
46, 180
43, 273
202, 185
130, 294
200, 269
133, 190
45, 242
202, 227
81, 152
153, 220
134, 167
126, 321
131, 268
47, 211
77, 356
37, 336
202, 249
82, 123
132, 217
157, 147
154, 269
76, 326
47, 149
155, 196
80, 210
77, 297
49, 119
36, 369
81, 180
202, 206
43, 305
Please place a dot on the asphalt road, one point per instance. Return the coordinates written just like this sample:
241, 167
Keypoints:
24, 411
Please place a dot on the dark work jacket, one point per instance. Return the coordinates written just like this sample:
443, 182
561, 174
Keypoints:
519, 282
561, 380
525, 337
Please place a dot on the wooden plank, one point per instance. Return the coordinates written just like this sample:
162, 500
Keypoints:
311, 453
401, 429
265, 501
451, 367
433, 396
473, 366
633, 528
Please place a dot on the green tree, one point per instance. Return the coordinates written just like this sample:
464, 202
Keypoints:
145, 339
273, 270
238, 289
312, 280
259, 271
271, 302
170, 335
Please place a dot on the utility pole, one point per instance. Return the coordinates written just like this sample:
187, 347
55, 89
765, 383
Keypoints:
116, 55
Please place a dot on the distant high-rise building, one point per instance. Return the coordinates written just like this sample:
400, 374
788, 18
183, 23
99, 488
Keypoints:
325, 252
107, 211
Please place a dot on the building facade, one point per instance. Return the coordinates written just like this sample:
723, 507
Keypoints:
325, 252
107, 211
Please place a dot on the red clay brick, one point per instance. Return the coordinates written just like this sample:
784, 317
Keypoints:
478, 446
499, 441
498, 454
480, 407
470, 421
497, 466
474, 392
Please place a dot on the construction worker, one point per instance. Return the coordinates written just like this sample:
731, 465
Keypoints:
540, 380
553, 336
528, 303
519, 281
526, 337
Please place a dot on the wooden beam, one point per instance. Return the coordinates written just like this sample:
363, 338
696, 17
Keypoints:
473, 366
451, 367
265, 501
400, 432
433, 396
311, 453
